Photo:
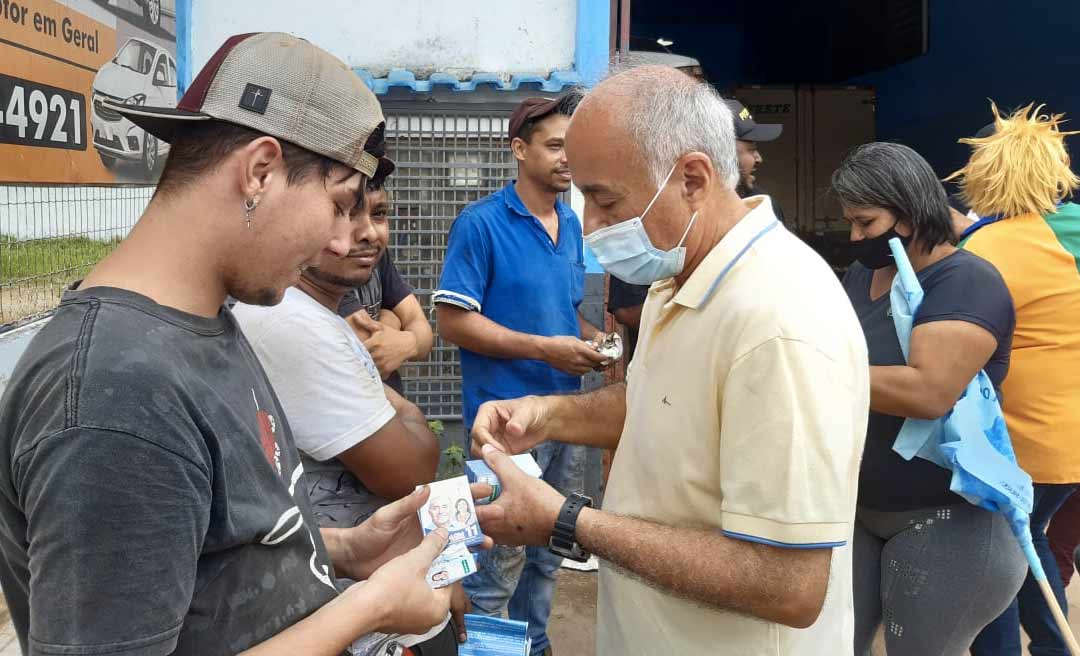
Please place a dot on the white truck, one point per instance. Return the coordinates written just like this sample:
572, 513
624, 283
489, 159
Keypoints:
821, 126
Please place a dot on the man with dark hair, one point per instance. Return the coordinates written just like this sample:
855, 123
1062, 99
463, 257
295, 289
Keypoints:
521, 243
384, 312
150, 499
361, 443
748, 133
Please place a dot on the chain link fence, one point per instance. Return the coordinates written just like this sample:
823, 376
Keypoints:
50, 236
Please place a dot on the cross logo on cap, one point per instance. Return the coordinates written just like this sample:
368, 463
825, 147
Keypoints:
255, 98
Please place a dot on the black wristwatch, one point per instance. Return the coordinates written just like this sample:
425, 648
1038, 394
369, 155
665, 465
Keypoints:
563, 541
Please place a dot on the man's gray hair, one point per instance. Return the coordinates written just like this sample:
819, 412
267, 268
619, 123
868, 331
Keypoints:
669, 114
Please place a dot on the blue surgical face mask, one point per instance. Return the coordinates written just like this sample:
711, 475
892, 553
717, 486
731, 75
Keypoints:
624, 249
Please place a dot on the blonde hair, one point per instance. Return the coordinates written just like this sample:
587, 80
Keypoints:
1022, 168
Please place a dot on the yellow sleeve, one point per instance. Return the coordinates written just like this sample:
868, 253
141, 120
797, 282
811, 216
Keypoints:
791, 442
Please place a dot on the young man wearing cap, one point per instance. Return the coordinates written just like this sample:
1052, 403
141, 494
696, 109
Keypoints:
151, 498
512, 281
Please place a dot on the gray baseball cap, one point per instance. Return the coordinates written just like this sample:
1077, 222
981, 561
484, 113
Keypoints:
285, 87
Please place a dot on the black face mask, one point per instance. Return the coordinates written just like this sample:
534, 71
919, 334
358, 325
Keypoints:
874, 252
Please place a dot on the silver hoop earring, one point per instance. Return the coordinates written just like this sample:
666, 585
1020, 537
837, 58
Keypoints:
249, 206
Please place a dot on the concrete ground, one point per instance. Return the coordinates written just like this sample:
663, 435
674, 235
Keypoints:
9, 643
572, 627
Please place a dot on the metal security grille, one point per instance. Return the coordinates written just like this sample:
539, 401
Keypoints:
446, 159
50, 236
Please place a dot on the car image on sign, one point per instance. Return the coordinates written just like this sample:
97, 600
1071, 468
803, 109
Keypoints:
153, 9
141, 73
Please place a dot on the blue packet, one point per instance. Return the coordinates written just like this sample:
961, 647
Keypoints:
495, 636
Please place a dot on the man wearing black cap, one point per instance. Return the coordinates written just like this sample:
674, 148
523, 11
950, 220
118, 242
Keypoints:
512, 281
748, 133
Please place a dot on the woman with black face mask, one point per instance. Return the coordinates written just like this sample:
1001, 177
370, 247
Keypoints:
936, 568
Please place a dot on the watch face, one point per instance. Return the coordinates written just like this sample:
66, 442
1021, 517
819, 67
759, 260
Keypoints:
575, 552
585, 501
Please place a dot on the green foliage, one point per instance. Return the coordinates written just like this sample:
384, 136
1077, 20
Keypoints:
454, 460
68, 256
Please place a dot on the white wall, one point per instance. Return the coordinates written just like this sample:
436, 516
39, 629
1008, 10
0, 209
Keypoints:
452, 36
101, 213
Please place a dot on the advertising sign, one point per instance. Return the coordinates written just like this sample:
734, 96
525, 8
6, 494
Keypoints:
59, 59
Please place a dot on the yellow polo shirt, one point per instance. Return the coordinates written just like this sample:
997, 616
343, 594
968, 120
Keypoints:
746, 414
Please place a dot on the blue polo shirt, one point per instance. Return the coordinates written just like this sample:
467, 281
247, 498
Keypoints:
501, 263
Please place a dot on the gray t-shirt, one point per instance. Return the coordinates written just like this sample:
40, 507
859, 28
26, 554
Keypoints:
150, 503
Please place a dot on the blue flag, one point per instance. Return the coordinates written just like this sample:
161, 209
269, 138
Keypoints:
971, 440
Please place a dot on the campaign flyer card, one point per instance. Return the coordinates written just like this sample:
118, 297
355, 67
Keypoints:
453, 564
450, 506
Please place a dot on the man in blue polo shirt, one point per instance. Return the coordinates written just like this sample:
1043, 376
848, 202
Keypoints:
512, 281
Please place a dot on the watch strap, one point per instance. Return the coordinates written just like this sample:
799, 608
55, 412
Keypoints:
564, 534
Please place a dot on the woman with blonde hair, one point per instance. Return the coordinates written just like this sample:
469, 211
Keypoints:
1018, 180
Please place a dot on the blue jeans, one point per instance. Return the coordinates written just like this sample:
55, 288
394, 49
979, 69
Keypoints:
523, 579
1002, 636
